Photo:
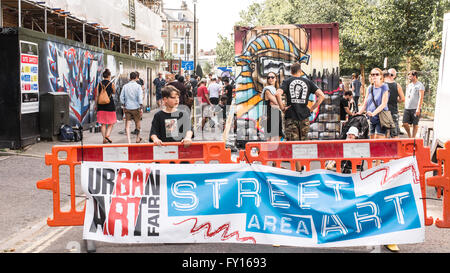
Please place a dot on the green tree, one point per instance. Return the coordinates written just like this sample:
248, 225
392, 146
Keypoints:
407, 32
207, 68
225, 51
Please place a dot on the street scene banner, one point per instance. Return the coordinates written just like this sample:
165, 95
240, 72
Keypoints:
251, 203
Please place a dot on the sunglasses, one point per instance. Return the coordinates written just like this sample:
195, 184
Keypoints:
270, 77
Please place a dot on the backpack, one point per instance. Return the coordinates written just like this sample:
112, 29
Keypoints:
103, 97
66, 133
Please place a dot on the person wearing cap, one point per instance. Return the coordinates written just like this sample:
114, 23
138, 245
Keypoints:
352, 133
346, 165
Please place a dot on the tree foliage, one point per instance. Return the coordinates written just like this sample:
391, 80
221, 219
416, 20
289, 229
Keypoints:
370, 30
225, 51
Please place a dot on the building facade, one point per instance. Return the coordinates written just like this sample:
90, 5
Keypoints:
178, 33
60, 48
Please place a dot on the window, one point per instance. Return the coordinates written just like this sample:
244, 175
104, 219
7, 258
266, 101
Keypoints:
188, 49
181, 49
175, 48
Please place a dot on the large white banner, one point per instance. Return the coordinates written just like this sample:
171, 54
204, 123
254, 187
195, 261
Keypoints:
140, 23
255, 204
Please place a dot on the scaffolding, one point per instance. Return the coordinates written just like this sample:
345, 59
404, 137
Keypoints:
154, 5
37, 16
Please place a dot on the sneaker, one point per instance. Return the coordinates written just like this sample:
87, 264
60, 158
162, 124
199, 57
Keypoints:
392, 248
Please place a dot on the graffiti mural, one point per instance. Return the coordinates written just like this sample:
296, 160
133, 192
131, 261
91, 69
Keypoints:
262, 50
77, 72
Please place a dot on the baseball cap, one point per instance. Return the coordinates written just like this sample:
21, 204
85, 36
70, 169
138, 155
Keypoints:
353, 130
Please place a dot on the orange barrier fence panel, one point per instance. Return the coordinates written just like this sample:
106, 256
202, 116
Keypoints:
302, 154
443, 181
73, 155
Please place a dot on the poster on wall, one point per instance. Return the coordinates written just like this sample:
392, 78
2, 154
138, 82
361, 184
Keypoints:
29, 72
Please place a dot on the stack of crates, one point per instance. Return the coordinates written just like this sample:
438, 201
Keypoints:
327, 124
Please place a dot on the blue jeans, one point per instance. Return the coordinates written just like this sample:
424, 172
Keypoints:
375, 126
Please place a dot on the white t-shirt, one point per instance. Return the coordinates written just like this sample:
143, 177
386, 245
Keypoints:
271, 88
214, 89
412, 95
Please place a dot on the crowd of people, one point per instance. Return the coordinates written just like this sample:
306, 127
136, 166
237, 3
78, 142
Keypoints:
384, 95
285, 105
363, 113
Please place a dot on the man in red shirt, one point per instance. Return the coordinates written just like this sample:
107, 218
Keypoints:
202, 92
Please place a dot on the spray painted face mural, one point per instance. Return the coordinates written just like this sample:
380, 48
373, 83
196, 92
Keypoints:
265, 53
77, 72
263, 49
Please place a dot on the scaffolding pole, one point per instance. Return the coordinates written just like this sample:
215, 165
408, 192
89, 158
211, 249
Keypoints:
1, 14
45, 19
20, 12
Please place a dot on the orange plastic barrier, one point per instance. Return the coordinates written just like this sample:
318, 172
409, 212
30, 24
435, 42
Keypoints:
267, 153
355, 151
198, 152
443, 155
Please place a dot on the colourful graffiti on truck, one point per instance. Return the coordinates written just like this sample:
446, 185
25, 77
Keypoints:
267, 52
260, 50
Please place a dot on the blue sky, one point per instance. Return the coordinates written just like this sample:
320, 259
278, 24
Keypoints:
215, 16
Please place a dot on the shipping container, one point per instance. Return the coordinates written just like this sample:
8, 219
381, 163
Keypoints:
260, 50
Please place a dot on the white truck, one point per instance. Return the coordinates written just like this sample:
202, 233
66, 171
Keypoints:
441, 127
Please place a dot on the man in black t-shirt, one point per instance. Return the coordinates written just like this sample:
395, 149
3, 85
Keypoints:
171, 124
346, 105
297, 90
228, 91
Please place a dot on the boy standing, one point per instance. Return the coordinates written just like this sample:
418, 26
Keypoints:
171, 124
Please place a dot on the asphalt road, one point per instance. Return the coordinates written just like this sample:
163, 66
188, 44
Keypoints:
25, 209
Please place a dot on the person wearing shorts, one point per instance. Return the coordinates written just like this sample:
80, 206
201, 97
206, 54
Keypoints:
375, 102
297, 90
131, 98
413, 104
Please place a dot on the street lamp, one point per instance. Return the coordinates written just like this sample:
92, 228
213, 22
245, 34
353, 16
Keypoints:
186, 41
195, 35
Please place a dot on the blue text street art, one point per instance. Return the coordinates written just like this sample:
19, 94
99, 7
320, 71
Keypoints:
255, 204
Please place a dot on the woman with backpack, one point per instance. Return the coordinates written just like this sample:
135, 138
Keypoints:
106, 111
